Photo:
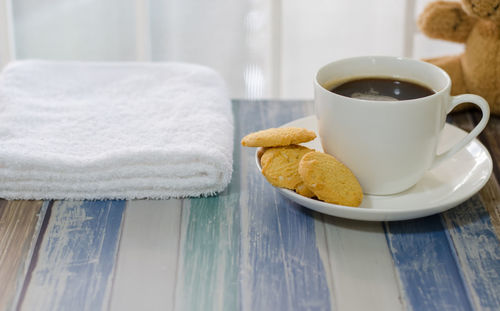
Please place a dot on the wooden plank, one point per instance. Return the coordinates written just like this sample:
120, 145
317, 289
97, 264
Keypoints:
478, 252
467, 264
20, 223
360, 262
146, 268
209, 257
209, 260
325, 256
282, 268
426, 265
490, 197
474, 227
75, 262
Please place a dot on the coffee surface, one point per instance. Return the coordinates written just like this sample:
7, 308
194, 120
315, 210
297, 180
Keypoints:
386, 89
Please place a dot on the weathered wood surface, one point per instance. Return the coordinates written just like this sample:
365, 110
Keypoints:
425, 263
150, 240
440, 258
20, 223
360, 262
249, 248
75, 262
281, 265
473, 227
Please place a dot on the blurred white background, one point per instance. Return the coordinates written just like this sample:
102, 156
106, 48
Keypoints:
264, 49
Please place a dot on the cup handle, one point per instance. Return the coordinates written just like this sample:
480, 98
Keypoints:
455, 101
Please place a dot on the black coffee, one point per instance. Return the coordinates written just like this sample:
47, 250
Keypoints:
374, 88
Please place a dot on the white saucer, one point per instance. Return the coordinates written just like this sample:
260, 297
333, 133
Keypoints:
442, 188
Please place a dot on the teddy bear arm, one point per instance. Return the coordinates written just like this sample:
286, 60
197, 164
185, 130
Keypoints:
446, 20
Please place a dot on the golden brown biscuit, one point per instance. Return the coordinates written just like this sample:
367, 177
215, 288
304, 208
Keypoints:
303, 190
330, 180
280, 164
275, 137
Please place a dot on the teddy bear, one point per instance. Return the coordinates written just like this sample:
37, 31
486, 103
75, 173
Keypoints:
477, 24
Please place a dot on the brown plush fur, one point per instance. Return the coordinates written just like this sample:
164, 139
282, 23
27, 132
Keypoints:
477, 24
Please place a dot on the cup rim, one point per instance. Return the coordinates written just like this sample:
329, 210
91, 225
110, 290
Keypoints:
441, 71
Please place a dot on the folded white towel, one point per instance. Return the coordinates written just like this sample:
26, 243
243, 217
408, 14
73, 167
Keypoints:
74, 130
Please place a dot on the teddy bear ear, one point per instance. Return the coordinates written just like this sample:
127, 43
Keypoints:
482, 9
467, 7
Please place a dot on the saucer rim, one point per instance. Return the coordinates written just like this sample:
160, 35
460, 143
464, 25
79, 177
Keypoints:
359, 213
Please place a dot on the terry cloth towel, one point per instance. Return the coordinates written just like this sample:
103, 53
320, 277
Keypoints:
76, 130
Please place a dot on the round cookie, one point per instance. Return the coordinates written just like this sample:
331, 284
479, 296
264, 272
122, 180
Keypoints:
330, 180
280, 166
303, 190
275, 137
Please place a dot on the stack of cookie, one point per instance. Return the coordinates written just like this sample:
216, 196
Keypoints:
310, 173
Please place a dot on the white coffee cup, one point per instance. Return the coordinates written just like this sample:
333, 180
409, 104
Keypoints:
388, 145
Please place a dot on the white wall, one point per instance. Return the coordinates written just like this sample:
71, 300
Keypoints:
262, 48
6, 33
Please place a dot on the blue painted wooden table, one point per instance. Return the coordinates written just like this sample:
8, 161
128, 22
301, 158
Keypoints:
250, 248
